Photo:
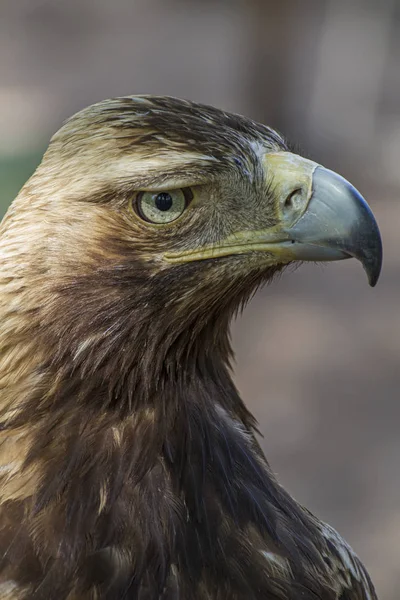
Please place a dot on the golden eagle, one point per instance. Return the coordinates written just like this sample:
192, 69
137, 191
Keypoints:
129, 467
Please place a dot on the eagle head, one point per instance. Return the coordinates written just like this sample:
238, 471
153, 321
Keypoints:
166, 215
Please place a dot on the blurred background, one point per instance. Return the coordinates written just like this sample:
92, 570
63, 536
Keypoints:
317, 352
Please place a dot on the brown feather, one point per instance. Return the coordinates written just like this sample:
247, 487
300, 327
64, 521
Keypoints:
129, 466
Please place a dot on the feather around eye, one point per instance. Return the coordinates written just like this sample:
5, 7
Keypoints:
162, 207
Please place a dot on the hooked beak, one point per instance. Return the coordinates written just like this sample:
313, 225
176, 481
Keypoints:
337, 224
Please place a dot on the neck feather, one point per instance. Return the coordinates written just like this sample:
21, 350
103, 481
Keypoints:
182, 475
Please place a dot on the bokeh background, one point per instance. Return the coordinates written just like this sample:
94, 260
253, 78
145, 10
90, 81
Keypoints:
317, 352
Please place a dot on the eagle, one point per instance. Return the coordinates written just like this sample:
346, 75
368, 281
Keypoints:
129, 464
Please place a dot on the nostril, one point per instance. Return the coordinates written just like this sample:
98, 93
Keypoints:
293, 200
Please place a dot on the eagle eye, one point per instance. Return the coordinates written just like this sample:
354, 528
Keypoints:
162, 207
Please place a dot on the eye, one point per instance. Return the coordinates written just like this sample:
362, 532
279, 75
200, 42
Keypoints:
162, 207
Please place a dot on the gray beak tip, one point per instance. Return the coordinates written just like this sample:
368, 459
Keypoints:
356, 232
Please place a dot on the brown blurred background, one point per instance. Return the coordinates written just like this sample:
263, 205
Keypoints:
318, 352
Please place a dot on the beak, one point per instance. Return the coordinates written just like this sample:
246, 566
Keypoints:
319, 216
336, 224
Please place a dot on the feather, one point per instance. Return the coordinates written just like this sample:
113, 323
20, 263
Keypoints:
129, 464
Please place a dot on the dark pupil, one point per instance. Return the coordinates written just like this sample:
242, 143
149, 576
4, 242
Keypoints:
164, 201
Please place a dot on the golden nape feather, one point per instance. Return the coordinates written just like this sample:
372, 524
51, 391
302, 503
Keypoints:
129, 467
